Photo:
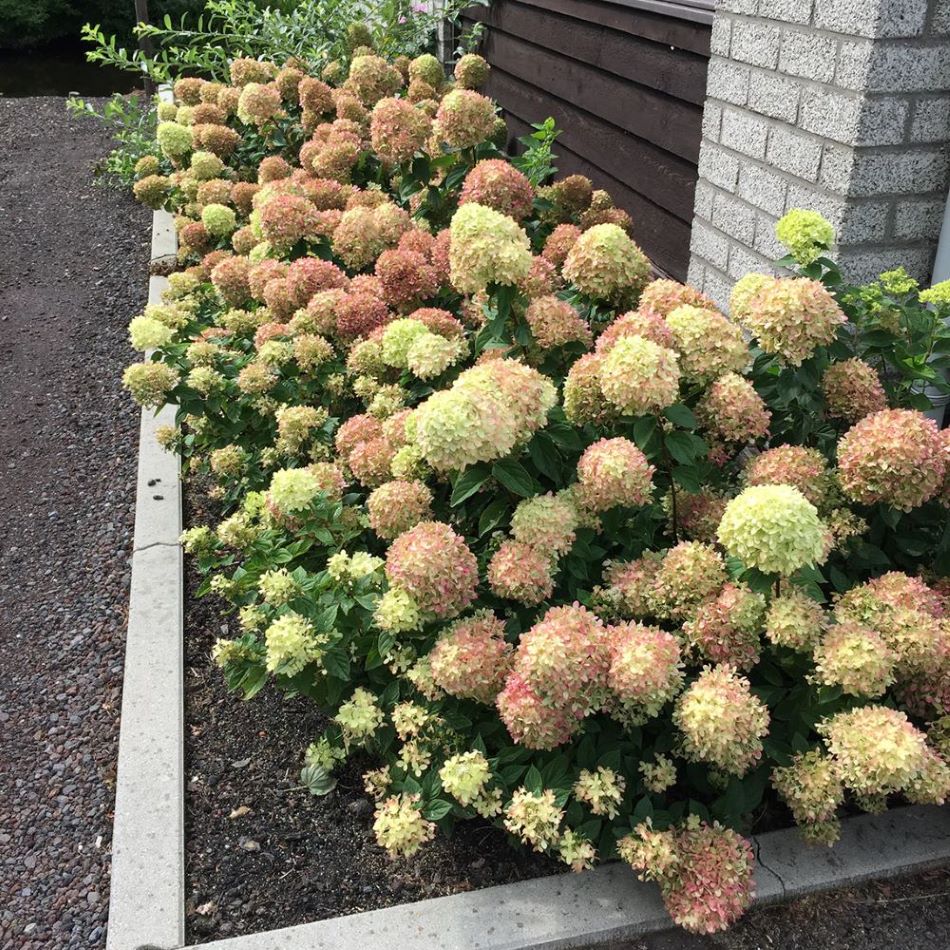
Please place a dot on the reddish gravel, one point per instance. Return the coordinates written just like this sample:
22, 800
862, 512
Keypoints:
73, 269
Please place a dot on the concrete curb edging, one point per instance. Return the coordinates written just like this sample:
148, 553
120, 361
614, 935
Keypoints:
146, 902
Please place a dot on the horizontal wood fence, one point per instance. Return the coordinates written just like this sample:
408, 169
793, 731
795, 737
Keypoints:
625, 81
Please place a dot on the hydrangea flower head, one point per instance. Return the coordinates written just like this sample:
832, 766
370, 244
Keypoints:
646, 670
895, 457
720, 721
790, 317
708, 344
486, 247
774, 528
614, 472
465, 118
471, 658
806, 234
733, 411
604, 263
639, 376
852, 390
435, 567
496, 183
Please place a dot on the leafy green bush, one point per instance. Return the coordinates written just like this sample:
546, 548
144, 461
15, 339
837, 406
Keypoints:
562, 546
315, 32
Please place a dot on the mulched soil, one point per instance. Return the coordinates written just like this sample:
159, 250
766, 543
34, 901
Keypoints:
73, 266
910, 913
262, 853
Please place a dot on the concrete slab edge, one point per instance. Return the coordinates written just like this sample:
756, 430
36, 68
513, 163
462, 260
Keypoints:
609, 903
146, 903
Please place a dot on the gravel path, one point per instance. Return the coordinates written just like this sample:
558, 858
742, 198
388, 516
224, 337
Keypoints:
910, 913
73, 269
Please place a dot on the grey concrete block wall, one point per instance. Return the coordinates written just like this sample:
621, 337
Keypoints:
836, 105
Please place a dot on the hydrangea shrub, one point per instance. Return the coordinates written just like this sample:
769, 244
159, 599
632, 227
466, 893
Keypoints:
561, 546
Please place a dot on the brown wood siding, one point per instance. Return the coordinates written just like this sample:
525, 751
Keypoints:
626, 85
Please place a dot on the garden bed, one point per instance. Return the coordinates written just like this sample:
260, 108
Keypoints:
291, 857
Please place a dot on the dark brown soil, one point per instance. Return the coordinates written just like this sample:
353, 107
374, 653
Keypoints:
73, 270
294, 858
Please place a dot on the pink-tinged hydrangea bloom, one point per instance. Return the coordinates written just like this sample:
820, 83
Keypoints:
664, 296
307, 276
520, 572
774, 528
727, 628
398, 506
287, 219
555, 322
259, 103
471, 659
698, 514
230, 279
720, 721
530, 721
630, 584
371, 462
356, 429
856, 658
559, 243
879, 752
465, 119
486, 248
645, 323
646, 670
358, 314
489, 410
245, 69
895, 457
705, 872
638, 376
438, 321
219, 139
689, 573
273, 168
584, 400
812, 789
435, 567
803, 468
852, 390
794, 620
406, 276
605, 264
733, 411
708, 344
315, 96
546, 522
563, 659
372, 78
398, 130
614, 472
791, 317
496, 183
471, 71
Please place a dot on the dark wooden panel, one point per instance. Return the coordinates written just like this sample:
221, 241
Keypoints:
667, 180
655, 65
651, 26
663, 237
670, 123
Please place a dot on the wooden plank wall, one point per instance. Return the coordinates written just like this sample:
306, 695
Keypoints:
626, 85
